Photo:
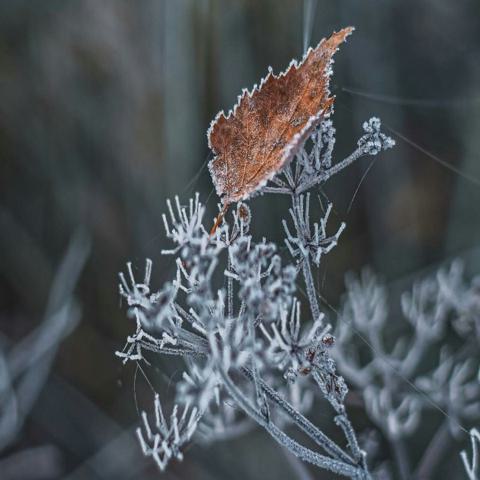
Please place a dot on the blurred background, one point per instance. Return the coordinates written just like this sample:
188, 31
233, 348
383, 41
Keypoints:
104, 108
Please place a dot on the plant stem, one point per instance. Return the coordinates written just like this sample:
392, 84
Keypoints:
303, 453
302, 422
355, 155
310, 287
401, 458
306, 269
229, 290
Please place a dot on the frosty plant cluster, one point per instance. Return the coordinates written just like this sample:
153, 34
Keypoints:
254, 355
422, 359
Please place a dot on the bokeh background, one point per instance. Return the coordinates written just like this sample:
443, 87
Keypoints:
104, 107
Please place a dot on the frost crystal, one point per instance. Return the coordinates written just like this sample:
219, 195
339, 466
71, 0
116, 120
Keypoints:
166, 441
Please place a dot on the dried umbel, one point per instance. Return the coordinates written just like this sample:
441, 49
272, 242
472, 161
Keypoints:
251, 358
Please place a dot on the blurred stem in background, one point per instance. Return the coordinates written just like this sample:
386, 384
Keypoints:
26, 364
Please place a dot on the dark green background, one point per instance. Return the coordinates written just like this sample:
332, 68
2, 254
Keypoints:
104, 105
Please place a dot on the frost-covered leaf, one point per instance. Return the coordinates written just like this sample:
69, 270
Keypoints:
269, 124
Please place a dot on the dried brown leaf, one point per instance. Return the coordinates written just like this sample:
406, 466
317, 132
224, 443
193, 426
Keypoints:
268, 125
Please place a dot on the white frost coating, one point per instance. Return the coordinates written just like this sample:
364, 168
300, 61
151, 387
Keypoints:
292, 147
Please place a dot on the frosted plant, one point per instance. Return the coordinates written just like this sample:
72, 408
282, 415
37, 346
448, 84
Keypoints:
395, 373
232, 313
